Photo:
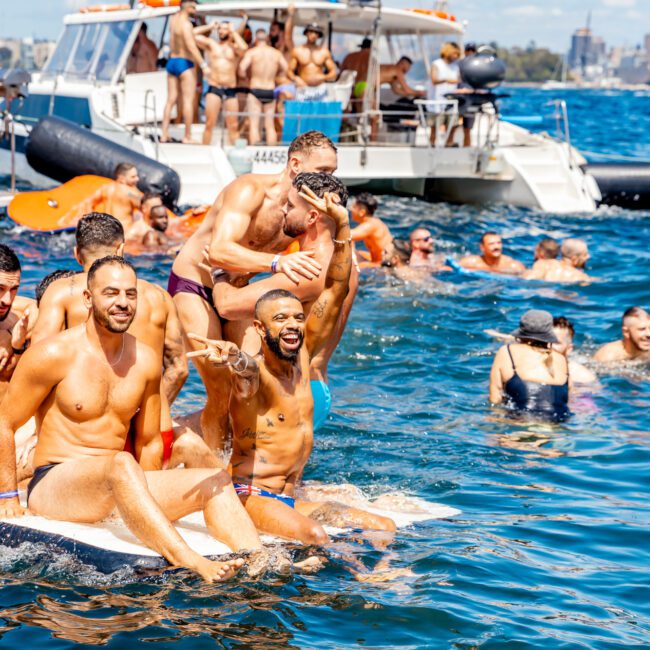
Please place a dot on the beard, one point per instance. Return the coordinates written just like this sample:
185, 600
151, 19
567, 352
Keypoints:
274, 39
104, 319
293, 230
4, 316
223, 39
274, 346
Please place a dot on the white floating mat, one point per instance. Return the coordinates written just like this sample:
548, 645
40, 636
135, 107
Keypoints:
109, 545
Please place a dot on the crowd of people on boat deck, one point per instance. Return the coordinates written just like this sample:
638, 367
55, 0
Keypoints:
247, 77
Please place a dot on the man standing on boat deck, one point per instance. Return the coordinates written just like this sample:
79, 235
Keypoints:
265, 64
244, 234
181, 74
87, 387
492, 258
144, 54
567, 269
17, 316
307, 64
635, 339
223, 59
272, 409
394, 74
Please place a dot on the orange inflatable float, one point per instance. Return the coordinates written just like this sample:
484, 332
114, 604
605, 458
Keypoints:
57, 209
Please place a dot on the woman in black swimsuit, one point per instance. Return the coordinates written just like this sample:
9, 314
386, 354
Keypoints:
530, 375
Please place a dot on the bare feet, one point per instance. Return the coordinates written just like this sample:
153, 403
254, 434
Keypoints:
310, 565
213, 570
190, 141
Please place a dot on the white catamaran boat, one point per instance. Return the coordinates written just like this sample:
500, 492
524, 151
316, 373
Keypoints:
86, 82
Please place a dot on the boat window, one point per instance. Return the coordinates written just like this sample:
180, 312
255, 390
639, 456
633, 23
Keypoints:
114, 44
60, 56
81, 63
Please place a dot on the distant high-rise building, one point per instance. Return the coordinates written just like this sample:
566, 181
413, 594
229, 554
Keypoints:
580, 52
646, 40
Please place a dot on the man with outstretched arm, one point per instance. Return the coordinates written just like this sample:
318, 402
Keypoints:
244, 234
87, 386
272, 406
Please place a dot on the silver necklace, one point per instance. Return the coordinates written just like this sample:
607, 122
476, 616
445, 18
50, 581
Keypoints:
112, 365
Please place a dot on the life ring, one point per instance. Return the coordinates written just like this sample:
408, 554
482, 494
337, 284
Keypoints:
161, 3
438, 14
94, 8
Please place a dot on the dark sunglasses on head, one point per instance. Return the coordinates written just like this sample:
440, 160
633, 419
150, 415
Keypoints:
429, 238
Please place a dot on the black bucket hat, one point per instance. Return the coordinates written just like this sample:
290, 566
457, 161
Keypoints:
536, 325
314, 27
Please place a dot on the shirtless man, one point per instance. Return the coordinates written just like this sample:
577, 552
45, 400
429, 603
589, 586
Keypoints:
144, 54
155, 237
395, 76
122, 198
307, 64
491, 258
181, 75
358, 62
422, 255
568, 269
15, 312
243, 231
143, 225
223, 59
546, 249
264, 63
272, 406
372, 231
281, 38
565, 332
635, 342
156, 322
86, 390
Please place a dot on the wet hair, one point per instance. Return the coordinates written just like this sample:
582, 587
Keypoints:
368, 201
115, 260
405, 59
489, 233
9, 262
634, 312
563, 323
573, 246
274, 294
123, 168
42, 286
147, 196
549, 248
98, 230
309, 141
321, 182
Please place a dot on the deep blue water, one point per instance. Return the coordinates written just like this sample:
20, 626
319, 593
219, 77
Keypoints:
552, 547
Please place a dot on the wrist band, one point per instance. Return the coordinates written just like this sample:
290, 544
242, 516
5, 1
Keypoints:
342, 241
274, 263
12, 494
20, 350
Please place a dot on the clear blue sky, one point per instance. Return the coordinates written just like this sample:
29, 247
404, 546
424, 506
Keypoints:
510, 22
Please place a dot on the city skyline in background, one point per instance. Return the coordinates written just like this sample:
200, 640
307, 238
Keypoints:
549, 23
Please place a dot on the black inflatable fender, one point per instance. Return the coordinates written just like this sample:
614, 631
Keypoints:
61, 150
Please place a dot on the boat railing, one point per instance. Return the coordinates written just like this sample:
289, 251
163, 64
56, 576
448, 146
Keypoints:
437, 113
562, 130
153, 123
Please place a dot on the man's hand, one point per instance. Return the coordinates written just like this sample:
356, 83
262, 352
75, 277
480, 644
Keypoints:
19, 332
329, 204
10, 508
291, 9
218, 353
299, 264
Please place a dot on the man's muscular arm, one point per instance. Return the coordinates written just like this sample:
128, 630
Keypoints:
40, 370
244, 371
241, 199
330, 67
147, 423
51, 312
363, 230
190, 43
325, 311
175, 369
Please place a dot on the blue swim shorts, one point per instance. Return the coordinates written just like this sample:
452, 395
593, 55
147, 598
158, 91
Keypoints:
177, 65
242, 488
322, 402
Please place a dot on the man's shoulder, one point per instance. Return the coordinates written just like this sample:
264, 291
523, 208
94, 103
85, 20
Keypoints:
512, 262
612, 351
65, 289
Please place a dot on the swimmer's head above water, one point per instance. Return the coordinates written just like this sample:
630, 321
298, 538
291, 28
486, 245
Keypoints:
565, 332
159, 218
280, 322
111, 293
301, 216
98, 235
127, 173
491, 245
364, 205
547, 249
9, 279
312, 151
421, 240
575, 252
636, 329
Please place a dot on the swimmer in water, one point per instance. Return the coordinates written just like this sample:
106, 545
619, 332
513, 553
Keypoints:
634, 344
122, 198
492, 258
156, 237
530, 375
272, 406
422, 255
372, 231
87, 387
570, 268
565, 333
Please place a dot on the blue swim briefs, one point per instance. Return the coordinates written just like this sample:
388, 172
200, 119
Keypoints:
242, 488
322, 402
177, 65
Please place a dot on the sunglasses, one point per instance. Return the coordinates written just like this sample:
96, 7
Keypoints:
429, 238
